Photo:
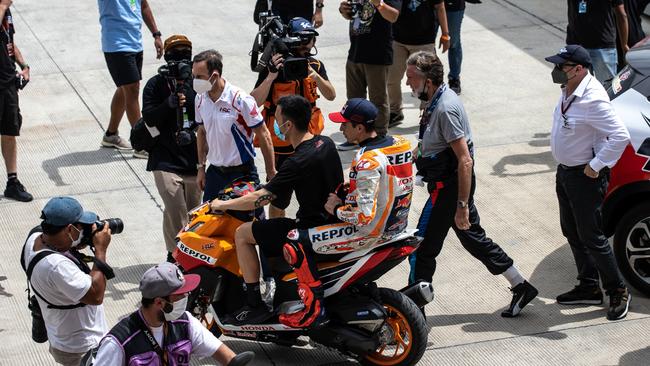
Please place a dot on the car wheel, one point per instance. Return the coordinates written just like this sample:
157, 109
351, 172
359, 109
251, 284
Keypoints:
632, 247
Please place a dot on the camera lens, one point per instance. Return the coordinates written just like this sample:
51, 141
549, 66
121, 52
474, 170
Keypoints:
116, 225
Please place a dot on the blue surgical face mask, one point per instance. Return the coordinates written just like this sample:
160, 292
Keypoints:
277, 131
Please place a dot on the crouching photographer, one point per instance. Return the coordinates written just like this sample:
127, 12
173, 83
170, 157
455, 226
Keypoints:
291, 70
67, 306
168, 106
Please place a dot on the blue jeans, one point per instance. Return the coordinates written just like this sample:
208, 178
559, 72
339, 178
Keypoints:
604, 61
455, 53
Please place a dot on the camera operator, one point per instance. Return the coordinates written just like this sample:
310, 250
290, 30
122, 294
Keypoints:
272, 85
168, 105
69, 293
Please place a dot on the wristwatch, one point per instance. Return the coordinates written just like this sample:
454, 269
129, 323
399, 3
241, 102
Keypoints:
320, 5
461, 204
200, 166
156, 34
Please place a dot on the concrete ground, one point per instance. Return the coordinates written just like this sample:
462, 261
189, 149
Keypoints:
508, 94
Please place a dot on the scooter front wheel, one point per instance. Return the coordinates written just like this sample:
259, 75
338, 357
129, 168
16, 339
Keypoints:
404, 333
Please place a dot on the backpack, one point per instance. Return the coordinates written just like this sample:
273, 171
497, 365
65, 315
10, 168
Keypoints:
143, 137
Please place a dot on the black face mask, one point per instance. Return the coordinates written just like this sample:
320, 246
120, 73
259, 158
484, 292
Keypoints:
559, 76
423, 96
180, 55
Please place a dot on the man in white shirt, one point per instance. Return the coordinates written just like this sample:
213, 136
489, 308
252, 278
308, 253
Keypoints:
161, 332
227, 118
587, 138
69, 294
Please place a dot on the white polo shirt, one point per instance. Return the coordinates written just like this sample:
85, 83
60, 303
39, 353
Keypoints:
589, 131
228, 124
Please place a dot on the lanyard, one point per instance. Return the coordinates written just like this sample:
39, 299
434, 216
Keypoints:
152, 340
424, 121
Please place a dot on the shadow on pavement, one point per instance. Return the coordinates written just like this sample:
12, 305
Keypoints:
538, 318
635, 358
126, 275
81, 158
544, 158
3, 292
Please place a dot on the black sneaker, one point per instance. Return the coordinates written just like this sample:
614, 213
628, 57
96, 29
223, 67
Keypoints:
16, 191
581, 295
395, 119
249, 315
619, 302
522, 294
454, 84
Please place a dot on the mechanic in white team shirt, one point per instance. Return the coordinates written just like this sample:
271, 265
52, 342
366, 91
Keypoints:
69, 293
227, 117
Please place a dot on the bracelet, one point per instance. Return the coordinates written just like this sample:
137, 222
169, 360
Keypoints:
445, 37
320, 5
24, 66
156, 34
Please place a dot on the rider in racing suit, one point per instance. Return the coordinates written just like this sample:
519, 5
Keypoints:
381, 184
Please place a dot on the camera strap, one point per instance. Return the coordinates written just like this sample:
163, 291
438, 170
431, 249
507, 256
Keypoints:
152, 340
37, 258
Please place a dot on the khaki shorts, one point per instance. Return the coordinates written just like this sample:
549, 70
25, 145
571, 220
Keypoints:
66, 358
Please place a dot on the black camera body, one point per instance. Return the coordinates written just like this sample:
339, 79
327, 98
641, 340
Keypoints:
177, 70
116, 225
273, 38
356, 7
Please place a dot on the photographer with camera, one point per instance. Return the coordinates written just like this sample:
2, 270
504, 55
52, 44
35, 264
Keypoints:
274, 82
370, 54
168, 105
68, 293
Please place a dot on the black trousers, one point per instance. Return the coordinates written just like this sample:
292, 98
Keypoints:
581, 200
436, 219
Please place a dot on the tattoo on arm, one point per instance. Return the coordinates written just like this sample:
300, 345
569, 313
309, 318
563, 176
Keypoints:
264, 200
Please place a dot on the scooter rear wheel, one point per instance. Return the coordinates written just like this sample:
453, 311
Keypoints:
408, 329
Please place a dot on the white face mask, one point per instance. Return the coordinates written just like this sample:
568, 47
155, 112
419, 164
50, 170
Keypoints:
75, 243
201, 86
178, 310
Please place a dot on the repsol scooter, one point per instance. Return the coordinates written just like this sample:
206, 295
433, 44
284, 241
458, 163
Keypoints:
374, 325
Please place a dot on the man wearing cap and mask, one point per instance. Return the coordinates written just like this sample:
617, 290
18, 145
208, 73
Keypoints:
271, 86
69, 293
173, 158
444, 159
587, 138
381, 181
161, 332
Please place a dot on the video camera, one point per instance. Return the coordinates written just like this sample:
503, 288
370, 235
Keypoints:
273, 37
178, 71
356, 6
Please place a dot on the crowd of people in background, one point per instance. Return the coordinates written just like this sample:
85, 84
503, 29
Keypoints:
389, 39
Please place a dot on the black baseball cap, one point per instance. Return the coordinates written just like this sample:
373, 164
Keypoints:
572, 52
301, 26
357, 110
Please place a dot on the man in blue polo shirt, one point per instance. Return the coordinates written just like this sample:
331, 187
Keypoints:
121, 22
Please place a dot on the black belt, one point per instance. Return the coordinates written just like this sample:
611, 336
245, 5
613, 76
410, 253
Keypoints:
244, 168
577, 167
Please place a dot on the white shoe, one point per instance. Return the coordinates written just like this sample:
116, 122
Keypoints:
116, 141
140, 154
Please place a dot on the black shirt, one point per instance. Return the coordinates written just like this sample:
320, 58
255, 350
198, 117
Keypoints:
417, 23
594, 27
371, 35
315, 64
7, 56
167, 155
313, 172
454, 5
287, 9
